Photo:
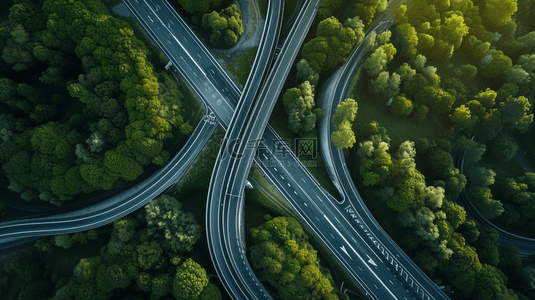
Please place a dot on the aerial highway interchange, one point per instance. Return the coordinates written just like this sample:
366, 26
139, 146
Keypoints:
347, 228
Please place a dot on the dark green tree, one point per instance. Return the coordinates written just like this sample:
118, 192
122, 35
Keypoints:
166, 220
190, 280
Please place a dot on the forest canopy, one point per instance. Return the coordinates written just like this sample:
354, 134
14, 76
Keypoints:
282, 256
134, 262
220, 18
82, 108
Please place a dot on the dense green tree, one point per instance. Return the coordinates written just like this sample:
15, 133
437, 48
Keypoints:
517, 75
385, 86
469, 231
328, 8
143, 282
356, 24
210, 292
462, 117
495, 63
466, 72
437, 163
383, 38
426, 261
473, 150
405, 72
490, 284
502, 148
510, 216
419, 112
345, 111
113, 70
487, 247
483, 199
87, 291
480, 176
285, 259
486, 98
116, 277
376, 163
496, 14
431, 31
455, 183
461, 268
226, 24
509, 257
332, 44
480, 179
66, 292
17, 52
515, 113
343, 137
410, 41
455, 214
132, 262
126, 228
375, 63
190, 280
518, 196
161, 285
315, 53
149, 255
489, 125
199, 7
306, 73
299, 104
63, 241
506, 90
166, 219
527, 62
401, 106
368, 9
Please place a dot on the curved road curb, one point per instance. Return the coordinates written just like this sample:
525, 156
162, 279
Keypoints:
525, 245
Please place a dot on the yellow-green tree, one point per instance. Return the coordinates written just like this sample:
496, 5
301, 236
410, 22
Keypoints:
190, 280
284, 258
343, 136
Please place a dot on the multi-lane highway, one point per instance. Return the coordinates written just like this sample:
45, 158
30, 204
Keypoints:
138, 195
225, 184
351, 234
319, 211
340, 229
15, 232
224, 204
208, 90
392, 258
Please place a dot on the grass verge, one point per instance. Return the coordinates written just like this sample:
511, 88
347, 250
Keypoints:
110, 3
255, 20
221, 55
399, 129
240, 67
279, 121
265, 195
289, 7
199, 175
263, 6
